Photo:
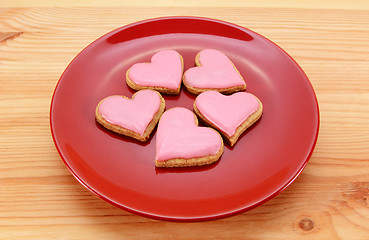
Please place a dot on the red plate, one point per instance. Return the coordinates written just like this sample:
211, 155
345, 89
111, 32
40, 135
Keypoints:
265, 160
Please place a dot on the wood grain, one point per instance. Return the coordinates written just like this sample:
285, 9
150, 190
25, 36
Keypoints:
311, 4
39, 198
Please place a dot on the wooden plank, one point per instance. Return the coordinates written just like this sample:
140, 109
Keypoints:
311, 4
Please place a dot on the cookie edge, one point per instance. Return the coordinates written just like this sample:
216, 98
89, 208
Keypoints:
191, 162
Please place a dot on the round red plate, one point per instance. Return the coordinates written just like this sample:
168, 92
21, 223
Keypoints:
265, 160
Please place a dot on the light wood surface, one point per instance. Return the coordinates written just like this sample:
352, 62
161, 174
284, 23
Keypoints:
40, 199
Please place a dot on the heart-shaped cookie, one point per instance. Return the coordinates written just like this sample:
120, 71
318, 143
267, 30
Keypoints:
214, 71
163, 74
136, 117
181, 143
230, 115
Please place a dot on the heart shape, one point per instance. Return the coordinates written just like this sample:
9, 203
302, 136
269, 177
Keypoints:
135, 117
181, 143
163, 74
214, 71
231, 115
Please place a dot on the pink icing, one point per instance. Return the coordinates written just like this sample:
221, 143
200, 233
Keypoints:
165, 70
178, 136
226, 112
134, 114
216, 71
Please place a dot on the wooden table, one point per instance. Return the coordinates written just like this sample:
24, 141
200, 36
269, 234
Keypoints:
40, 199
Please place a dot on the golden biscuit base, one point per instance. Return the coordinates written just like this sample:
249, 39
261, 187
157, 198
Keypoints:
182, 162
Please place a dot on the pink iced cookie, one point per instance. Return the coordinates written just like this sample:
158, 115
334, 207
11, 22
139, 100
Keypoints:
136, 117
163, 74
231, 115
214, 71
181, 143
